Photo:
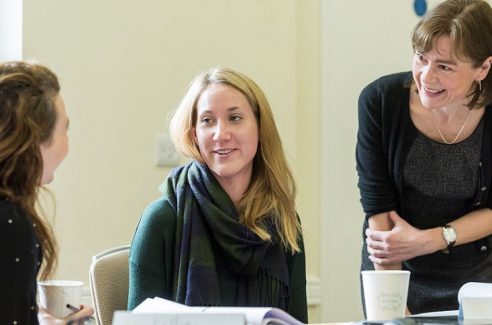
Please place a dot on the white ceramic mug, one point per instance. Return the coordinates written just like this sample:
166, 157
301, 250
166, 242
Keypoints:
385, 293
55, 295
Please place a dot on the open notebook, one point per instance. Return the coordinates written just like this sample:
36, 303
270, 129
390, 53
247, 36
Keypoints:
168, 312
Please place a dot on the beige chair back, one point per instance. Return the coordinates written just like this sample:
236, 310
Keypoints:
108, 276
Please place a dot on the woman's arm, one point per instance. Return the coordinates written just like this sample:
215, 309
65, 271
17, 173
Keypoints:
380, 222
403, 241
473, 226
151, 255
383, 222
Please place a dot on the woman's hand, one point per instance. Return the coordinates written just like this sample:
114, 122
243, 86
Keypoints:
401, 243
45, 318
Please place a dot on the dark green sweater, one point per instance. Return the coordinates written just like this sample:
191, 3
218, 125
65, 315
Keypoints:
152, 259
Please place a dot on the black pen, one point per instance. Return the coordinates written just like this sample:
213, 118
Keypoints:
73, 308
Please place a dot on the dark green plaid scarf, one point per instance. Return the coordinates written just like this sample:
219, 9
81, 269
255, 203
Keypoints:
208, 232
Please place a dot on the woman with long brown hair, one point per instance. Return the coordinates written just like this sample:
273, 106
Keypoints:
33, 142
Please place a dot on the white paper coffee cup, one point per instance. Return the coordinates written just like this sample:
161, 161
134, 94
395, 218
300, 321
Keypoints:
385, 293
55, 295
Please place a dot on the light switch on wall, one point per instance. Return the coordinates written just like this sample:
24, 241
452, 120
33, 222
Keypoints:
166, 154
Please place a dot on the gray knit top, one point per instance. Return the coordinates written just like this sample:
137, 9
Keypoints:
440, 182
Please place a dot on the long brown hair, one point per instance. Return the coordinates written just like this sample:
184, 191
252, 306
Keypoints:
468, 23
27, 119
272, 189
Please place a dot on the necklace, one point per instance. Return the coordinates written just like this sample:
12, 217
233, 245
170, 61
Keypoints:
459, 132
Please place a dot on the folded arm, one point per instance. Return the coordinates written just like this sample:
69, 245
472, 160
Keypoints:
391, 240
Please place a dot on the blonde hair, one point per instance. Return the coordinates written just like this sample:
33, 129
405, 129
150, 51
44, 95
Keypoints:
468, 23
27, 119
272, 189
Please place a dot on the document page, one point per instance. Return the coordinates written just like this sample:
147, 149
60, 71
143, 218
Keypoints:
253, 315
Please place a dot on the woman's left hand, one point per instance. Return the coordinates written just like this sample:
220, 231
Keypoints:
403, 242
45, 318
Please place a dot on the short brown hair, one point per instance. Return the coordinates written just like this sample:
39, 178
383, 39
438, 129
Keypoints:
468, 23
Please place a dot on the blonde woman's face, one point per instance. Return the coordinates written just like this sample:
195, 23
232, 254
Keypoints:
226, 133
55, 149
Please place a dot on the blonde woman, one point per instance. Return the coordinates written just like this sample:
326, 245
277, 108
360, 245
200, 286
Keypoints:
225, 232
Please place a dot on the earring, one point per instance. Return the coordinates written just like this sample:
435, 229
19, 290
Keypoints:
479, 85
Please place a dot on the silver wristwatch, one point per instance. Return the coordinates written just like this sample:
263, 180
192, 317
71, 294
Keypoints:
449, 235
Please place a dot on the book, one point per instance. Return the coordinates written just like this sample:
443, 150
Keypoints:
249, 315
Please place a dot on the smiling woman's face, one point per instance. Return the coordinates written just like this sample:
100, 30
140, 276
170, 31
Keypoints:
226, 133
442, 79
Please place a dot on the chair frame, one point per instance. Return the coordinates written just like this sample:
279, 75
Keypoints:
99, 265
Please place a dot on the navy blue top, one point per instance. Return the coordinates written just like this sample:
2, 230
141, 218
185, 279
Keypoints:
20, 258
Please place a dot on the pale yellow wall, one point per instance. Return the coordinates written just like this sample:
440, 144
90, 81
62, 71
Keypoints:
308, 125
124, 65
361, 40
308, 129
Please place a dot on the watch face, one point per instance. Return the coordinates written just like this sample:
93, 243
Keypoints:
449, 234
